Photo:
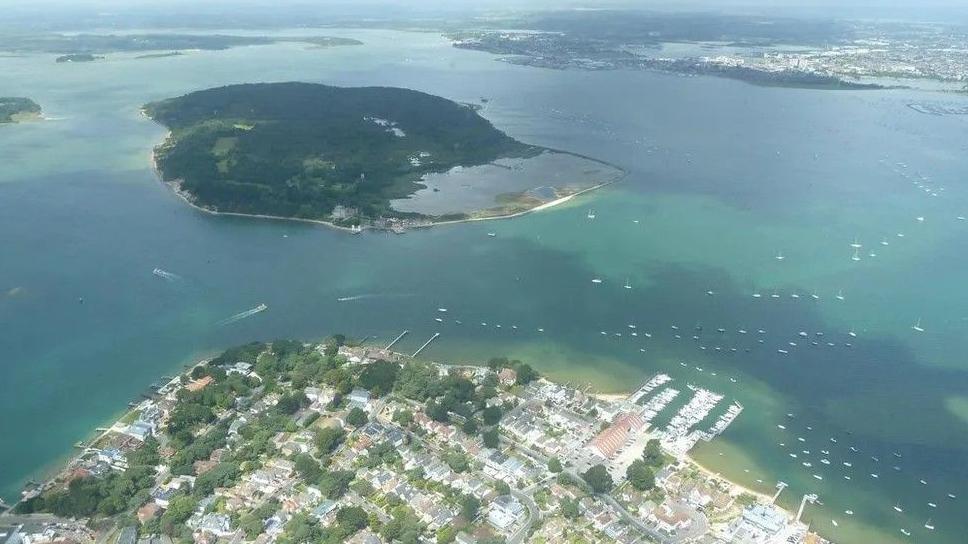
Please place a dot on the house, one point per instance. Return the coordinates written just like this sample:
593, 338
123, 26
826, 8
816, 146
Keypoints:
325, 512
359, 397
505, 511
217, 524
128, 535
669, 517
148, 512
507, 376
616, 436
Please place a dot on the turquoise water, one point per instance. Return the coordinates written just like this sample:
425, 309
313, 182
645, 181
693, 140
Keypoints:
722, 177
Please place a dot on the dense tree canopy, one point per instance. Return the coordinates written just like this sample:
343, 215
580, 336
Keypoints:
300, 149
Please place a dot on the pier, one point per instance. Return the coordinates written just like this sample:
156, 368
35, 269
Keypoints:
427, 343
395, 340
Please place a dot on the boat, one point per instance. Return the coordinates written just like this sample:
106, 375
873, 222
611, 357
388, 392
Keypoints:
920, 219
834, 522
627, 284
928, 525
591, 214
815, 296
779, 256
849, 512
851, 333
441, 309
438, 320
932, 505
884, 242
905, 532
492, 234
923, 482
856, 256
951, 496
917, 326
757, 295
818, 477
596, 280
856, 244
775, 294
898, 509
840, 295
781, 427
794, 295
710, 293
848, 464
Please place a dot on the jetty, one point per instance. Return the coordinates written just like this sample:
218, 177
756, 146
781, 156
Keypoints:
427, 343
397, 339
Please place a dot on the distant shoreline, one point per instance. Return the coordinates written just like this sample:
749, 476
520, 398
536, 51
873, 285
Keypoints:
175, 186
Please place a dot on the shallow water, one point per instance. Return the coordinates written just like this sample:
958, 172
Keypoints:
723, 176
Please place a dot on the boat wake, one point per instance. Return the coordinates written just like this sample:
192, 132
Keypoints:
165, 275
242, 315
372, 295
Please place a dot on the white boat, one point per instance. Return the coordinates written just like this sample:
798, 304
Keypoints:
851, 333
920, 219
856, 256
856, 244
905, 532
492, 234
591, 214
840, 294
951, 496
775, 294
818, 477
779, 256
627, 284
710, 293
441, 309
757, 295
596, 280
932, 505
438, 320
884, 242
898, 509
928, 525
923, 482
849, 512
834, 522
917, 326
848, 464
815, 296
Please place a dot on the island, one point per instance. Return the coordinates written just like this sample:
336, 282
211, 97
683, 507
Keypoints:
338, 441
14, 109
78, 57
354, 157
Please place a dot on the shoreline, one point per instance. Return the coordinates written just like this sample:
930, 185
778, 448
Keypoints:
175, 187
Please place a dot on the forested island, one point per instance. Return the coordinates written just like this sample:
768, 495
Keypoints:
311, 151
14, 109
78, 57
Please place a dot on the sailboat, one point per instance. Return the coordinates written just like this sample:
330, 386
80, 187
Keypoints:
779, 256
591, 214
884, 242
917, 326
856, 244
856, 256
627, 284
928, 525
840, 294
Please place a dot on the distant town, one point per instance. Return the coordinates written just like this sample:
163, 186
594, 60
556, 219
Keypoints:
338, 442
786, 52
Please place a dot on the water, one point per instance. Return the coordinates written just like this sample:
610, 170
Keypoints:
722, 176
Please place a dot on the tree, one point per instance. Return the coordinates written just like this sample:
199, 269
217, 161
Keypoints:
446, 534
291, 403
403, 417
652, 455
179, 510
492, 415
351, 519
491, 438
598, 478
502, 488
526, 374
470, 426
357, 417
640, 475
437, 412
554, 465
328, 439
457, 461
569, 508
308, 468
379, 377
469, 507
335, 483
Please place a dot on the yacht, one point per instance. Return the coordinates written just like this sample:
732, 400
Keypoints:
856, 244
540, 330
840, 294
917, 326
951, 496
779, 256
818, 477
920, 219
923, 482
438, 320
627, 284
757, 295
848, 464
928, 525
856, 256
775, 294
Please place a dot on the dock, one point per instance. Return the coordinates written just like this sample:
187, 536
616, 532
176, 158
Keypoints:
427, 343
395, 340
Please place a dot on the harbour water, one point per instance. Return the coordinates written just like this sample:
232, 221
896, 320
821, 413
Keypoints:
723, 178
